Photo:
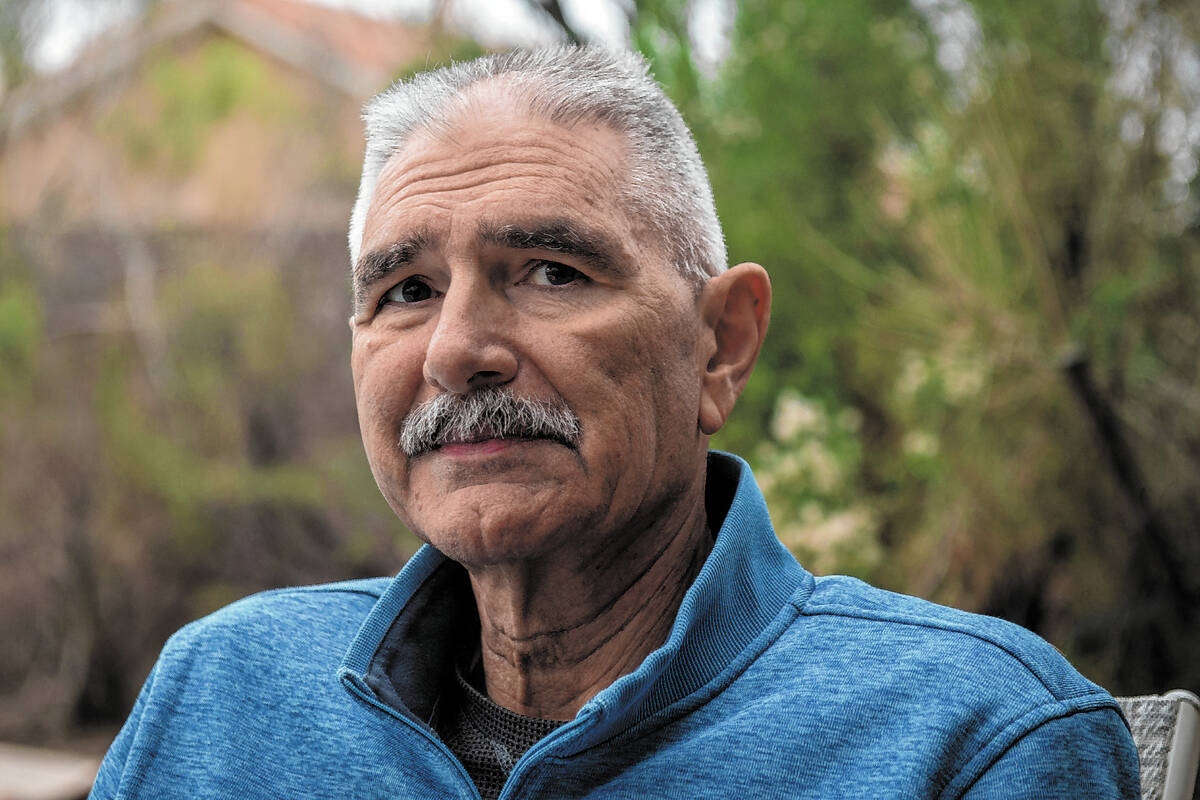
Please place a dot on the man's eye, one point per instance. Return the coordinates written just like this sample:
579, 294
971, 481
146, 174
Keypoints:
550, 273
409, 290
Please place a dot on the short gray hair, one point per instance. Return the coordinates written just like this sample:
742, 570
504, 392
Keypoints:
667, 187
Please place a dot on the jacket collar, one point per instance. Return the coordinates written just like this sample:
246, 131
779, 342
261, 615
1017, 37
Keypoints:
748, 589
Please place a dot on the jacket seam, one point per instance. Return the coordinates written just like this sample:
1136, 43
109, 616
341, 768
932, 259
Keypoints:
318, 589
835, 611
1065, 714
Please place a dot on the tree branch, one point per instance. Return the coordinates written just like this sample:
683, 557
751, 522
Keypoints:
554, 9
1153, 531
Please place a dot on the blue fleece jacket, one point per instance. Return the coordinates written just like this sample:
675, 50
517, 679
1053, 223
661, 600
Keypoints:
772, 684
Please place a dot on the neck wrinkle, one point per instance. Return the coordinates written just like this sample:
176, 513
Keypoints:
550, 664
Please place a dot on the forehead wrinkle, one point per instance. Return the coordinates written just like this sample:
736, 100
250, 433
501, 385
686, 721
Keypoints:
499, 179
446, 155
456, 177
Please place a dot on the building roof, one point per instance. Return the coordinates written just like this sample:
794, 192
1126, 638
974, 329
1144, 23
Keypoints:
348, 52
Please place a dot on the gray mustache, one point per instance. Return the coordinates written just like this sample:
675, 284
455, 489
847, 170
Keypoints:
493, 412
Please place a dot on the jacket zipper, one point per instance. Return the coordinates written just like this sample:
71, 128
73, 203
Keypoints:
526, 762
366, 695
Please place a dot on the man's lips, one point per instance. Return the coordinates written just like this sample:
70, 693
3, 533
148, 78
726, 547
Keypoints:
482, 446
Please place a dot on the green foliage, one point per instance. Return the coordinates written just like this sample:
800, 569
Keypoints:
12, 49
20, 332
159, 493
189, 94
807, 470
235, 365
800, 111
966, 274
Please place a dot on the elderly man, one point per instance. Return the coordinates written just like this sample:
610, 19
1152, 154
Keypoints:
544, 337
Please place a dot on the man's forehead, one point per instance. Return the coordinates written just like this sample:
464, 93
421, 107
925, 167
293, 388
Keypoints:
502, 110
514, 168
494, 135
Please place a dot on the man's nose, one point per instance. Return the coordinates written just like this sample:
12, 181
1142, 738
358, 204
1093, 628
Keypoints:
471, 345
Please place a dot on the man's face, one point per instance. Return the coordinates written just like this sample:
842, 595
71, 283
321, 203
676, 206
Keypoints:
502, 254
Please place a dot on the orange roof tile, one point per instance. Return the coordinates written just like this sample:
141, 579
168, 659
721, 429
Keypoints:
377, 45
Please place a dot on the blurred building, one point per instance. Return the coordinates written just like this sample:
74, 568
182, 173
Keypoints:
175, 404
239, 116
201, 114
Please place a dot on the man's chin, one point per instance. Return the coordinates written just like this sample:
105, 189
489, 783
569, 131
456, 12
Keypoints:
492, 468
480, 527
494, 500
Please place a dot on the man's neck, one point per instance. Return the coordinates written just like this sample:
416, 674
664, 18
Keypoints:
553, 639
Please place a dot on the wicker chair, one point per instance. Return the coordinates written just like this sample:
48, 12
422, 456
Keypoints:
1166, 729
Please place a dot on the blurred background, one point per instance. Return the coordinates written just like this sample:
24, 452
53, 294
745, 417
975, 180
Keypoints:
981, 384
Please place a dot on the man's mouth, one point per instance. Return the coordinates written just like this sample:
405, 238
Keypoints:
480, 446
487, 441
483, 434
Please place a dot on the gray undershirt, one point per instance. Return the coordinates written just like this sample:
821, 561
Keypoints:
487, 738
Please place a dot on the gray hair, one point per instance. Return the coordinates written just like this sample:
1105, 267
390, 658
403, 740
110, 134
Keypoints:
667, 184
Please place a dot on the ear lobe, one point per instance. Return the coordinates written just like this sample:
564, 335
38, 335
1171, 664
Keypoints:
736, 307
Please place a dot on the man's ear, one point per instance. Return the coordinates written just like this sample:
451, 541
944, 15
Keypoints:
735, 308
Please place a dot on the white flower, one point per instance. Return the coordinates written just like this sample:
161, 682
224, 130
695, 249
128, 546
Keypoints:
820, 466
795, 415
920, 443
914, 373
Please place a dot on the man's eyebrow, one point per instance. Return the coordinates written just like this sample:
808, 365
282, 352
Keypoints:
378, 264
596, 249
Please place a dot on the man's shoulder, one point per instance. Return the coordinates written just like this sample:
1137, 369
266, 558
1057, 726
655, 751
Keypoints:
954, 645
310, 617
282, 605
938, 696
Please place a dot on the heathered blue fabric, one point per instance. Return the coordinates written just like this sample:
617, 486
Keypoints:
772, 684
